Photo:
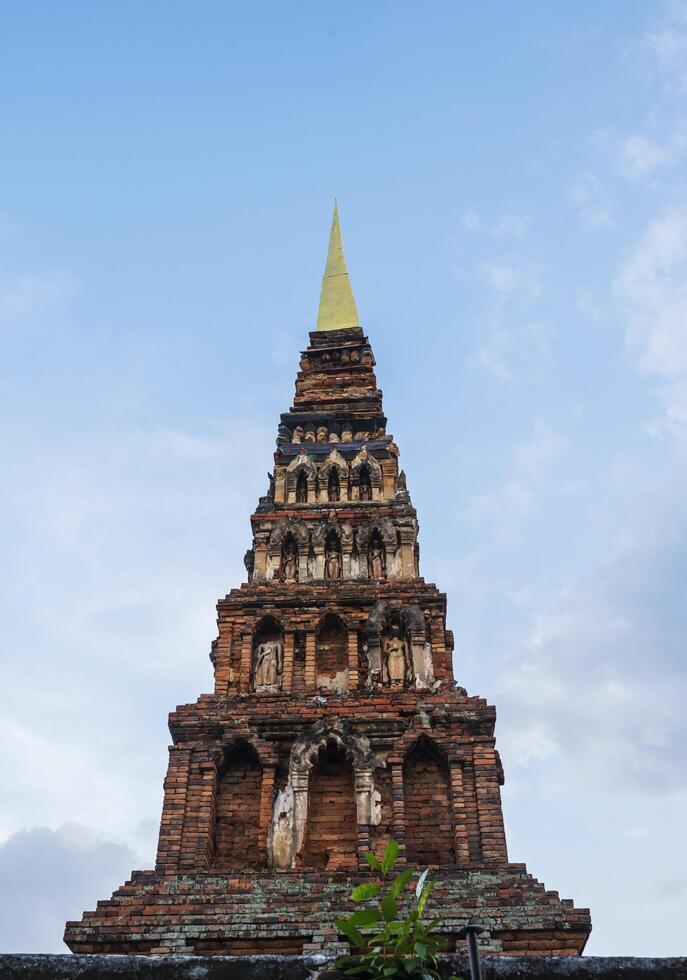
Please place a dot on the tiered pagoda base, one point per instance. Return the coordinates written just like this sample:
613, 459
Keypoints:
294, 912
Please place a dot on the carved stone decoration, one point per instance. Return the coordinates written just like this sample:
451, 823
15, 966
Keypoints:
395, 650
376, 557
280, 552
366, 476
289, 560
311, 559
377, 544
249, 562
333, 486
333, 477
376, 622
300, 466
268, 663
302, 488
333, 567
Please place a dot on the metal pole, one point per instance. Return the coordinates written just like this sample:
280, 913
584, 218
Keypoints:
470, 932
473, 954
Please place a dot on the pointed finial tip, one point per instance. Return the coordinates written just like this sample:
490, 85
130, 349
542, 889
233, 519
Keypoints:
337, 309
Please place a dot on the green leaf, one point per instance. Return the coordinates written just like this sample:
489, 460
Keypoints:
400, 881
344, 926
365, 891
390, 855
421, 950
389, 908
372, 861
420, 883
364, 917
426, 892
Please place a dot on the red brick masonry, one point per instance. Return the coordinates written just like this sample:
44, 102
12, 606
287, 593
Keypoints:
335, 723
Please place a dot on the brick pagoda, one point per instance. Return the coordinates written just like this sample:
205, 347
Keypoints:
335, 723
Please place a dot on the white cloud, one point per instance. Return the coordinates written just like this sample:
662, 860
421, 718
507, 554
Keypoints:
510, 339
668, 45
599, 678
508, 225
641, 156
499, 514
651, 292
592, 208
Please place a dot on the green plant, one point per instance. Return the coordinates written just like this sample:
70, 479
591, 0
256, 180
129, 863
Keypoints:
389, 943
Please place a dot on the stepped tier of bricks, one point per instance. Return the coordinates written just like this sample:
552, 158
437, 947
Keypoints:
335, 723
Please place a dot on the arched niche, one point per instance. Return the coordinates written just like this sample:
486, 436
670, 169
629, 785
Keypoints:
366, 477
331, 654
301, 477
331, 829
268, 656
333, 478
428, 809
237, 809
287, 533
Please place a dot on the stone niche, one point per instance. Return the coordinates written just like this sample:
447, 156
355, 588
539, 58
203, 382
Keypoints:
306, 830
268, 657
398, 652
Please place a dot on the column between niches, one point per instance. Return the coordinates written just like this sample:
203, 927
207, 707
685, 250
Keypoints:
310, 660
287, 673
246, 662
398, 807
266, 799
460, 830
352, 659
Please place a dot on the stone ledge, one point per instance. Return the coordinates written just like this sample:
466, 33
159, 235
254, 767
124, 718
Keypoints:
27, 966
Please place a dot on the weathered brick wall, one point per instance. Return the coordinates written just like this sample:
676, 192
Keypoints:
331, 834
238, 811
331, 654
429, 835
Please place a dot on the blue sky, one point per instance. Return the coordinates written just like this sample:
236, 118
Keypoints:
511, 179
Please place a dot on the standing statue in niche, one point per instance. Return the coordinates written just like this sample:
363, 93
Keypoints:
332, 559
289, 561
376, 561
302, 488
395, 656
333, 486
268, 665
365, 487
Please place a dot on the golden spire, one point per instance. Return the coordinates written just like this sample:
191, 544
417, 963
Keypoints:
337, 306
